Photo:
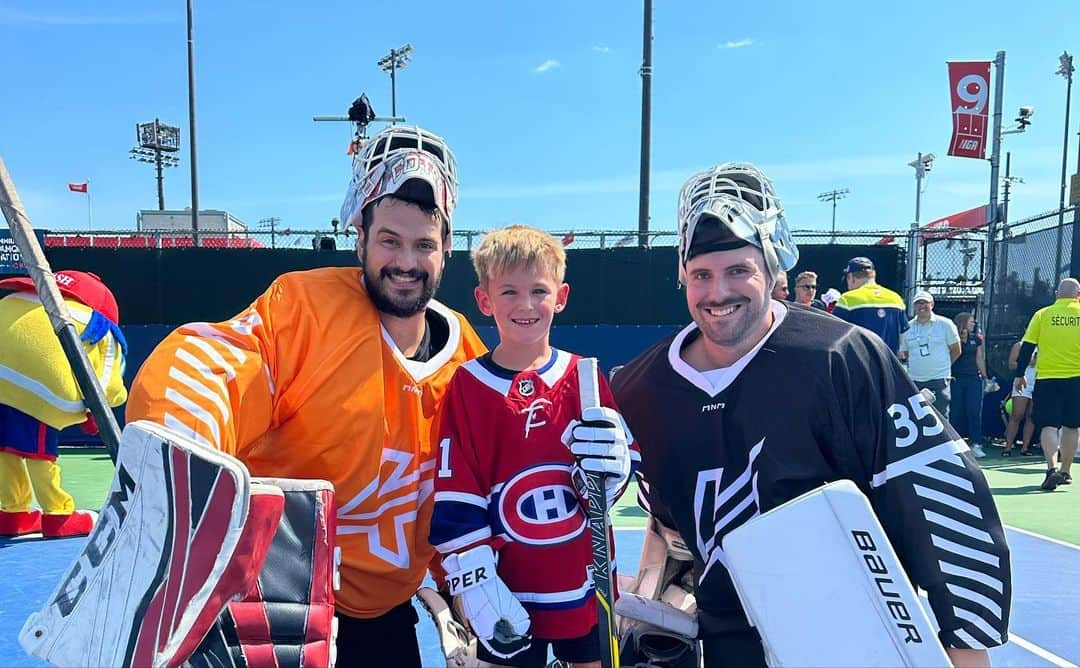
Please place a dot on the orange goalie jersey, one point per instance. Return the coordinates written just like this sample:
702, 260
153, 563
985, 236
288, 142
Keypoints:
307, 384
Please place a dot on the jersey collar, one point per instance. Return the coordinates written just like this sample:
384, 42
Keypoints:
698, 379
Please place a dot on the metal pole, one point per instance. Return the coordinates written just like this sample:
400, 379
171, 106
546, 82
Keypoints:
160, 180
913, 238
1067, 73
834, 219
992, 214
918, 185
191, 123
1005, 219
1008, 187
89, 212
393, 82
646, 126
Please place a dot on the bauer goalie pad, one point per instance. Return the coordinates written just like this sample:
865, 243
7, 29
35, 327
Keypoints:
457, 642
287, 619
183, 531
819, 579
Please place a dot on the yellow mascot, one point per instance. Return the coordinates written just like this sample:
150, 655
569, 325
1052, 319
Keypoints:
39, 396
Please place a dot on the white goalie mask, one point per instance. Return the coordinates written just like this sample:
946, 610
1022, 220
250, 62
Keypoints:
743, 199
395, 156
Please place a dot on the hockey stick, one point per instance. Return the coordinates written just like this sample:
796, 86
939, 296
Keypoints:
599, 525
45, 284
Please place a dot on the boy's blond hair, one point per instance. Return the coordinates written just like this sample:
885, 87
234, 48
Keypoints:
518, 246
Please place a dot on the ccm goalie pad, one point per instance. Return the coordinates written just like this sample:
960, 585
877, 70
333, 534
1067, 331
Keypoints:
183, 531
287, 619
826, 551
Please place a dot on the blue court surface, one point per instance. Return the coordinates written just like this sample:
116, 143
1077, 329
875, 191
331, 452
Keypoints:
1045, 611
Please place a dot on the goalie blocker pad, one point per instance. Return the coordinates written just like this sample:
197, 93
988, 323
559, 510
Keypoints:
826, 551
182, 532
287, 619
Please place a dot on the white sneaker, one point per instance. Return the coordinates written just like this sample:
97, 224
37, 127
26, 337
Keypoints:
977, 451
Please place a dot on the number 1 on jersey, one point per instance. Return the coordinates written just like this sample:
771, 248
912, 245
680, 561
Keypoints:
444, 458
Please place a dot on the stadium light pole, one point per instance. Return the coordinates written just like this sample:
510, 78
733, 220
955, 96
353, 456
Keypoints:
833, 196
157, 144
646, 127
191, 123
1066, 70
396, 60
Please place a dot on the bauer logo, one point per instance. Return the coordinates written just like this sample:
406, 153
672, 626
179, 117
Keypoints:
888, 588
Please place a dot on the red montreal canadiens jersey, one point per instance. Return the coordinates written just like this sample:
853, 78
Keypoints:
504, 479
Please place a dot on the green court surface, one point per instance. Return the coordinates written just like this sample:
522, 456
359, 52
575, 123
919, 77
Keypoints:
87, 473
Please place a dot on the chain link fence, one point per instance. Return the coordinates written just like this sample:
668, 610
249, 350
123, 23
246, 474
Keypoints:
1030, 255
463, 240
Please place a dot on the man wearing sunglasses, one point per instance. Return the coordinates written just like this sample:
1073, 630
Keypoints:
806, 290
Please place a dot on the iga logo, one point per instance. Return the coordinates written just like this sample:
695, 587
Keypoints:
539, 507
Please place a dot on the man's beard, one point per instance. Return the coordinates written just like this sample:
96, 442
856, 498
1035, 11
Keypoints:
737, 332
383, 298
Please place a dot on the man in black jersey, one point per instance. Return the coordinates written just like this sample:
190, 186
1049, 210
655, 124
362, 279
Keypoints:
714, 455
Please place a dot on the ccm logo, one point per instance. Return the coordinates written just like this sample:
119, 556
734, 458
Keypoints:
877, 567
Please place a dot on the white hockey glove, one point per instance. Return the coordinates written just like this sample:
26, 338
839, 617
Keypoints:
496, 617
600, 442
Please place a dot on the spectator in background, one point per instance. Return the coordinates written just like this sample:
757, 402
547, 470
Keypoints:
1055, 329
870, 305
1021, 406
780, 290
929, 347
806, 290
969, 374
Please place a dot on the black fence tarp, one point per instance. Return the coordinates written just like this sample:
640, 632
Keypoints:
607, 286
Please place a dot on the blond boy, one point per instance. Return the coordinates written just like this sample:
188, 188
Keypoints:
512, 435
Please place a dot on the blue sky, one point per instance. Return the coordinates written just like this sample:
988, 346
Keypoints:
822, 95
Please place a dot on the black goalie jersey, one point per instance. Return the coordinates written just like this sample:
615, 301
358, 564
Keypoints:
820, 400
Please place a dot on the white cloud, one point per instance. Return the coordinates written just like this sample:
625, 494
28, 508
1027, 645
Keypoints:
548, 64
602, 49
737, 44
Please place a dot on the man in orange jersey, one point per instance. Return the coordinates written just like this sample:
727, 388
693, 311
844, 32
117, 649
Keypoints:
339, 374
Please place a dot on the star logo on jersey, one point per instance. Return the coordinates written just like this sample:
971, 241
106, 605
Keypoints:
526, 387
532, 420
388, 503
719, 508
539, 507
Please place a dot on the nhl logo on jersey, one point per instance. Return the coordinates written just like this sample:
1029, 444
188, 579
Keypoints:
526, 387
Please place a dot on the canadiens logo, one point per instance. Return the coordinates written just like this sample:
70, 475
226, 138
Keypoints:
532, 419
538, 506
526, 387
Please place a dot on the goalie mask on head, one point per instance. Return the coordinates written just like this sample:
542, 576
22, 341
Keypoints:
408, 162
741, 199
